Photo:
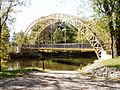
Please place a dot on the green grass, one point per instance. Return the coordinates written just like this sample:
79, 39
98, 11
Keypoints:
115, 62
17, 73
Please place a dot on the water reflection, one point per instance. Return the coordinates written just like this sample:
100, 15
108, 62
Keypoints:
51, 63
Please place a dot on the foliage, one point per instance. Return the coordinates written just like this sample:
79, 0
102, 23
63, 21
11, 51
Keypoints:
107, 7
39, 34
101, 30
111, 10
70, 33
6, 8
52, 33
17, 40
4, 45
80, 38
19, 37
57, 36
67, 34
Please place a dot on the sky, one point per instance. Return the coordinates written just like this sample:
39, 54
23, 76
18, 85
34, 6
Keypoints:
39, 8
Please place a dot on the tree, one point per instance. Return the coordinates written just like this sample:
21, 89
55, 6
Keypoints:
6, 7
102, 32
111, 10
57, 36
19, 37
4, 45
70, 33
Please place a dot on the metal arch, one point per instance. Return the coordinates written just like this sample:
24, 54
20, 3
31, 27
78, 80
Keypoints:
76, 22
53, 16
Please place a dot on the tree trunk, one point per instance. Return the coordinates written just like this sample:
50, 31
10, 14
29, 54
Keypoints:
117, 44
111, 35
0, 44
117, 35
0, 40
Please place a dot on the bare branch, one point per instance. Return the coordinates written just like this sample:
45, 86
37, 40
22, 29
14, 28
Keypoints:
7, 12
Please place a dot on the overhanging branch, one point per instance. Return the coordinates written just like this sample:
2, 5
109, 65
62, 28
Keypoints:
5, 15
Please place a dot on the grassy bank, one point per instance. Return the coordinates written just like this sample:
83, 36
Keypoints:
17, 73
115, 62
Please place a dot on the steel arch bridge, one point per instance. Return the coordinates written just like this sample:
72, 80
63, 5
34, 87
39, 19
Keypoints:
77, 22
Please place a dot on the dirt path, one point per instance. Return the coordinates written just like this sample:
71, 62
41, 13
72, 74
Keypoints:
57, 80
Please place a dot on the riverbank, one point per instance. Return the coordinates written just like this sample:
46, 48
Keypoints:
109, 69
102, 74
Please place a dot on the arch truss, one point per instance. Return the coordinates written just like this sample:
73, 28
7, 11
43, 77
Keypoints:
77, 22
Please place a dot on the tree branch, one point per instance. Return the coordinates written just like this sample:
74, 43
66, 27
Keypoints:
100, 8
7, 12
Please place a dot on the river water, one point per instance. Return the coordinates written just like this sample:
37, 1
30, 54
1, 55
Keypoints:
51, 63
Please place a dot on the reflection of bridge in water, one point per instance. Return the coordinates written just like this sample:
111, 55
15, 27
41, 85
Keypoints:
86, 47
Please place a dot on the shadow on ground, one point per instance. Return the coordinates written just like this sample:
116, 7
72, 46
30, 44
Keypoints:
57, 81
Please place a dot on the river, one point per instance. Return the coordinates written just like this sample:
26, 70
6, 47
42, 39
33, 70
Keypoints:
54, 63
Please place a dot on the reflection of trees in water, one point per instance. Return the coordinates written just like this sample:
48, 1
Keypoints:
51, 63
66, 62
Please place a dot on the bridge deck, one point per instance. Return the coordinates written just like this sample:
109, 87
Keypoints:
69, 49
63, 49
60, 47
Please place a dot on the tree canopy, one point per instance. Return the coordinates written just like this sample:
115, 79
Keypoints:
6, 8
111, 10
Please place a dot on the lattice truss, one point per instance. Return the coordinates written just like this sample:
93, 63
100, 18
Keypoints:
73, 20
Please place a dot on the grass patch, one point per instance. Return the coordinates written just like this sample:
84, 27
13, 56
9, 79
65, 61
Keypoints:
17, 73
115, 62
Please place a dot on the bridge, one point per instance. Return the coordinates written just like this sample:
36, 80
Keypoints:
60, 47
46, 27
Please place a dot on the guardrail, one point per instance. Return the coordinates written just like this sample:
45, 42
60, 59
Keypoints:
67, 45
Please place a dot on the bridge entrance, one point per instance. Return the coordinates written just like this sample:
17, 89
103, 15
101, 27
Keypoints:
61, 32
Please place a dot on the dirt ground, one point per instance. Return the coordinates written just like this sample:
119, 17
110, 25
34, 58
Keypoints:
58, 80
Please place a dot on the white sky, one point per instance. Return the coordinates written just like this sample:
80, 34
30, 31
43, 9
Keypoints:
39, 8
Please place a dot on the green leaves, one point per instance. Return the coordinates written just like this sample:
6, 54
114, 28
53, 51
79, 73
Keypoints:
57, 36
110, 9
4, 45
18, 38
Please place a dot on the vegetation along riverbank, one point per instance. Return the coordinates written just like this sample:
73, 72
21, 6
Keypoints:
104, 68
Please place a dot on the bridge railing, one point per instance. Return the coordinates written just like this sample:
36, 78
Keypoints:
67, 45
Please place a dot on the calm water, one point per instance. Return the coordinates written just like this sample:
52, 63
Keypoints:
51, 63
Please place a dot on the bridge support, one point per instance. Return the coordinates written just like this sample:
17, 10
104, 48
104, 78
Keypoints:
17, 49
104, 55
